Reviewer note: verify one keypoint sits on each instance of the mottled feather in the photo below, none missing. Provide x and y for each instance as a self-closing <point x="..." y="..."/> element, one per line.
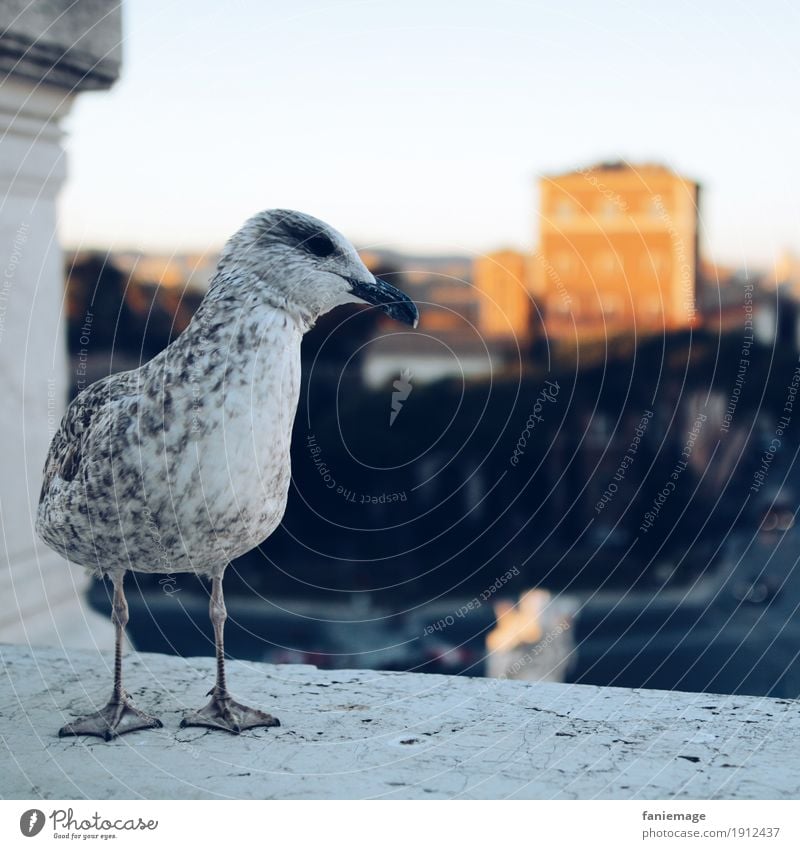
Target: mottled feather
<point x="183" y="463"/>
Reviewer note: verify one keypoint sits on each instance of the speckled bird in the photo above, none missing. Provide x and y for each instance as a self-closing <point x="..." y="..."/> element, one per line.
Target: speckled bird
<point x="183" y="464"/>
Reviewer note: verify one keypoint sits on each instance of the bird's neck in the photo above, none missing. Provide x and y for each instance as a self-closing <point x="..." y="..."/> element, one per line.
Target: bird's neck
<point x="230" y="293"/>
<point x="221" y="310"/>
<point x="227" y="333"/>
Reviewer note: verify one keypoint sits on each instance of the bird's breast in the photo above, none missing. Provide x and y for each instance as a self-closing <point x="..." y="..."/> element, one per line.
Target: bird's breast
<point x="257" y="416"/>
<point x="241" y="444"/>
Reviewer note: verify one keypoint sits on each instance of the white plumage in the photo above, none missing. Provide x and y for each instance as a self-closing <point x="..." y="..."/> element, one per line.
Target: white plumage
<point x="183" y="464"/>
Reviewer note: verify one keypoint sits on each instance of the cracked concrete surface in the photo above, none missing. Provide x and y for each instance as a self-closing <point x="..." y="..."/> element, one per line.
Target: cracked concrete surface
<point x="360" y="734"/>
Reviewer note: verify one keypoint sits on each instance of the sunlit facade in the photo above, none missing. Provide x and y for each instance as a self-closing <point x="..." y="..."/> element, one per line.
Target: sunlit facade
<point x="617" y="251"/>
<point x="502" y="282"/>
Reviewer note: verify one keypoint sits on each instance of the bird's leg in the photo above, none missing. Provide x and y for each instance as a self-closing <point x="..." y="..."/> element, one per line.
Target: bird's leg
<point x="119" y="716"/>
<point x="222" y="711"/>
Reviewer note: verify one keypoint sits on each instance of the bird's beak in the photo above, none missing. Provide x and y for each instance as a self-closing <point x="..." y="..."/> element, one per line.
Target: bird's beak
<point x="392" y="301"/>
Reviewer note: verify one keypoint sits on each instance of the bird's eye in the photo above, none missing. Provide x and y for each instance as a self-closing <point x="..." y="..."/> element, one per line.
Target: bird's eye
<point x="319" y="245"/>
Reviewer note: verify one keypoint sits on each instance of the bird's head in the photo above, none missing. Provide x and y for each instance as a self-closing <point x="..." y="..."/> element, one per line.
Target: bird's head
<point x="300" y="264"/>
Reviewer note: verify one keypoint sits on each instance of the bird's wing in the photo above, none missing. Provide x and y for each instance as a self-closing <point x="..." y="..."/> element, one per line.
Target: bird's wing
<point x="66" y="450"/>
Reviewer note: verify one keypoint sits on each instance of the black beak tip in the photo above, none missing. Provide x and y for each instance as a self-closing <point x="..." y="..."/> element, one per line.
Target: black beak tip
<point x="392" y="301"/>
<point x="402" y="309"/>
<point x="413" y="314"/>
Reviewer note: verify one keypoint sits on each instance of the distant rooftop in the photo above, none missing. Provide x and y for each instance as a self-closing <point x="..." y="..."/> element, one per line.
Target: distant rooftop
<point x="616" y="165"/>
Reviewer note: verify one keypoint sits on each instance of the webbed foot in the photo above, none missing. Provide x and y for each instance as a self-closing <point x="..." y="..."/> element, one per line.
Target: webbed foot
<point x="119" y="716"/>
<point x="226" y="714"/>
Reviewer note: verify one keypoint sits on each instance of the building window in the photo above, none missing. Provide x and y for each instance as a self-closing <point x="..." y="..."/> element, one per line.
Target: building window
<point x="564" y="263"/>
<point x="608" y="210"/>
<point x="565" y="210"/>
<point x="656" y="210"/>
<point x="607" y="263"/>
<point x="561" y="306"/>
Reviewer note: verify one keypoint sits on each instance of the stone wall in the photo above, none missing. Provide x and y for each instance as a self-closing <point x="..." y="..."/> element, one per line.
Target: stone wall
<point x="389" y="735"/>
<point x="48" y="51"/>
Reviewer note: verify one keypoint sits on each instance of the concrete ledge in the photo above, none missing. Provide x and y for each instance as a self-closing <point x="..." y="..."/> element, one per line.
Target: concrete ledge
<point x="356" y="734"/>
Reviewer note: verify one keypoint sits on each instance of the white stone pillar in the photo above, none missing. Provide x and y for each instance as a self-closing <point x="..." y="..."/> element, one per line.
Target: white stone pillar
<point x="49" y="51"/>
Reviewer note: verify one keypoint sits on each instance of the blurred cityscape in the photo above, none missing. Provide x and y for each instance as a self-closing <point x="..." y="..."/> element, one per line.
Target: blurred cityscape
<point x="580" y="465"/>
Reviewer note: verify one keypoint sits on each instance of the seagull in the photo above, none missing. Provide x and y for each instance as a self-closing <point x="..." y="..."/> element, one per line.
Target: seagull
<point x="183" y="464"/>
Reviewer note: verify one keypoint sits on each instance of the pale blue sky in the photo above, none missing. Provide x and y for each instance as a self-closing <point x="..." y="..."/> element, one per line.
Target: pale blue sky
<point x="423" y="125"/>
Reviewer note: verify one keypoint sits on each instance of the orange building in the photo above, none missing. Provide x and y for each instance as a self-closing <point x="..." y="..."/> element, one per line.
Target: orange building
<point x="501" y="280"/>
<point x="617" y="251"/>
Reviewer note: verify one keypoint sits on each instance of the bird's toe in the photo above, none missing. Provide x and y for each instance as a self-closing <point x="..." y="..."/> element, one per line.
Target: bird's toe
<point x="225" y="714"/>
<point x="119" y="716"/>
